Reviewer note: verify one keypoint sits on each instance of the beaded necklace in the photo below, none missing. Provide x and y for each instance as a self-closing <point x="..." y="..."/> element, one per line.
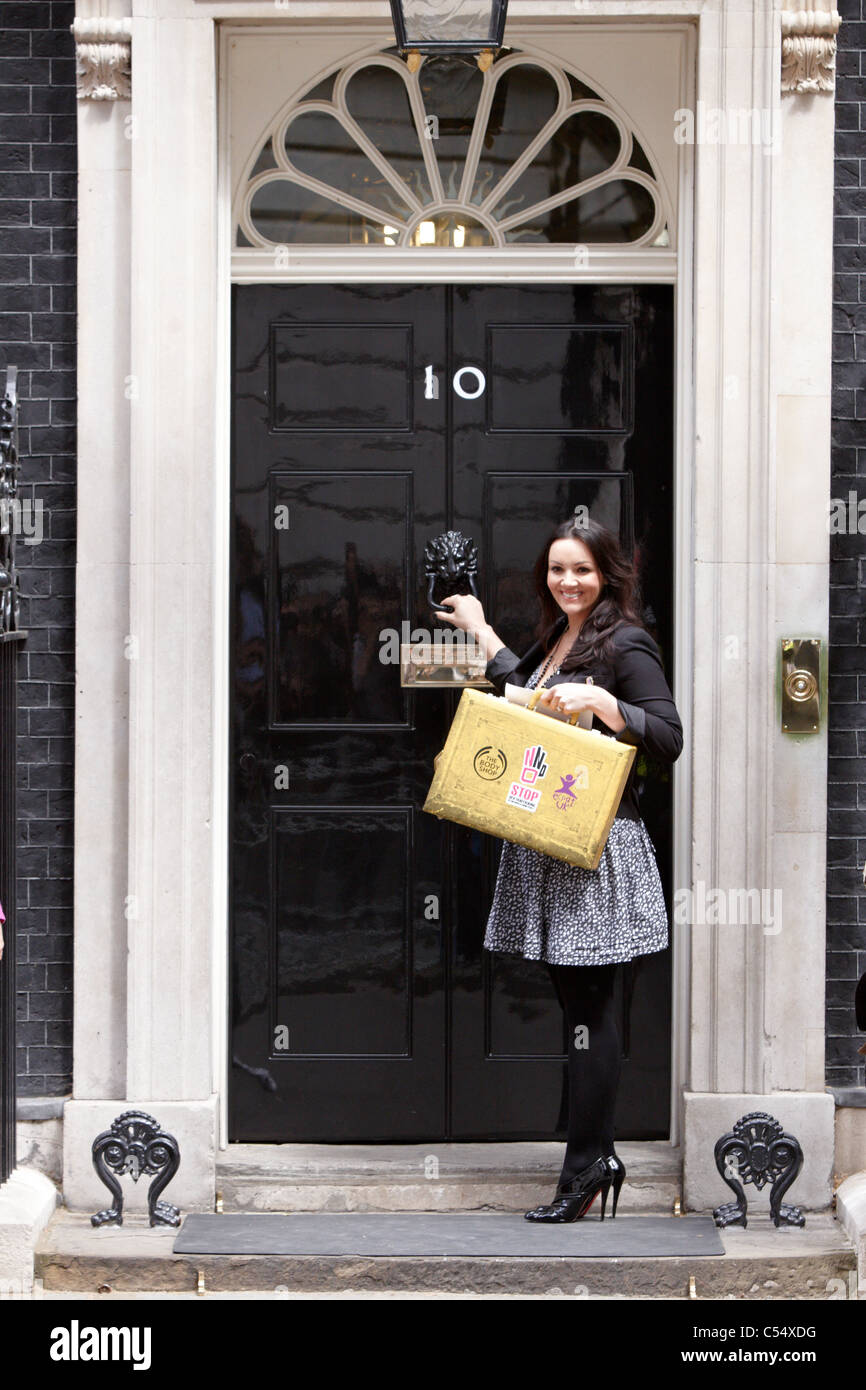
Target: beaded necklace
<point x="544" y="669"/>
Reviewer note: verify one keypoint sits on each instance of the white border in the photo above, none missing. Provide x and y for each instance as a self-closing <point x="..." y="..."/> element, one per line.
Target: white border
<point x="221" y="598"/>
<point x="476" y="265"/>
<point x="684" y="590"/>
<point x="501" y="265"/>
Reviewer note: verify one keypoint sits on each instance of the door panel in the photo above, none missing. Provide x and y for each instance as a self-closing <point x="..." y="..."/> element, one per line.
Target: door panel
<point x="339" y="482"/>
<point x="329" y="937"/>
<point x="578" y="412"/>
<point x="340" y="574"/>
<point x="558" y="378"/>
<point x="363" y="1006"/>
<point x="341" y="377"/>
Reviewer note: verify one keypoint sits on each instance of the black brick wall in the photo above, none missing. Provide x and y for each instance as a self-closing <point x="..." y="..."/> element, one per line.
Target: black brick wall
<point x="37" y="332"/>
<point x="846" y="830"/>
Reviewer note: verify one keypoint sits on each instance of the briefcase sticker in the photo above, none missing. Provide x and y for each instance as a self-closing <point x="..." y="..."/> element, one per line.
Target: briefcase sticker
<point x="534" y="764"/>
<point x="565" y="797"/>
<point x="525" y="793"/>
<point x="527" y="798"/>
<point x="490" y="763"/>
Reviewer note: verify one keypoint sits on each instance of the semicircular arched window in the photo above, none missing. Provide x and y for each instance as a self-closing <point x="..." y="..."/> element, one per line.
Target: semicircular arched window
<point x="376" y="155"/>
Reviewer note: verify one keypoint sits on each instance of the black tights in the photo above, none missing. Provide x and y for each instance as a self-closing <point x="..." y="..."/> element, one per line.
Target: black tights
<point x="586" y="993"/>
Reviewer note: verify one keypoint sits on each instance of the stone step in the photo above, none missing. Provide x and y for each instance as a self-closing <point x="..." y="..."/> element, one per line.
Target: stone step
<point x="815" y="1262"/>
<point x="427" y="1177"/>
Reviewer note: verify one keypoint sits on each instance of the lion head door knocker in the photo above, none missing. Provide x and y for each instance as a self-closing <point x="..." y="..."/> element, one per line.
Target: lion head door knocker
<point x="453" y="657"/>
<point x="757" y="1150"/>
<point x="136" y="1144"/>
<point x="451" y="563"/>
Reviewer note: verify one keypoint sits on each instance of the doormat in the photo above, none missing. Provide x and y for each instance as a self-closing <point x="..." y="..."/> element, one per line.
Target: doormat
<point x="452" y="1233"/>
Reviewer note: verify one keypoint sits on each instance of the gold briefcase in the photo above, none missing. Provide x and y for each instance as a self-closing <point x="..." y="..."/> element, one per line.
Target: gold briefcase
<point x="524" y="776"/>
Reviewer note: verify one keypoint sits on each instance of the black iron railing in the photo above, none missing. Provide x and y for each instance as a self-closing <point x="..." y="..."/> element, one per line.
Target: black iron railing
<point x="10" y="637"/>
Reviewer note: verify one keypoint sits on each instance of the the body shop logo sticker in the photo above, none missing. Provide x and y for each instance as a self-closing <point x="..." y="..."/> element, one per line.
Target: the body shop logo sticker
<point x="565" y="796"/>
<point x="489" y="763"/>
<point x="525" y="797"/>
<point x="534" y="765"/>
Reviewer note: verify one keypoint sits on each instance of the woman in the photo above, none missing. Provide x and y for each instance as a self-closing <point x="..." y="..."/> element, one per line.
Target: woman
<point x="583" y="922"/>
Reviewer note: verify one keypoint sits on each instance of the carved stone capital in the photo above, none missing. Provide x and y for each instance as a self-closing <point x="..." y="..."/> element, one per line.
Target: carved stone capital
<point x="809" y="49"/>
<point x="103" y="51"/>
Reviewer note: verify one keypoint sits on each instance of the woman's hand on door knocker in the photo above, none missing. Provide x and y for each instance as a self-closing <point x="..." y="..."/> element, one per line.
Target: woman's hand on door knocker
<point x="467" y="612"/>
<point x="572" y="697"/>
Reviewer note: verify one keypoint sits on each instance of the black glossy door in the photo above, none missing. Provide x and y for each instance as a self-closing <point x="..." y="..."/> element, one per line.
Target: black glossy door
<point x="363" y="1005"/>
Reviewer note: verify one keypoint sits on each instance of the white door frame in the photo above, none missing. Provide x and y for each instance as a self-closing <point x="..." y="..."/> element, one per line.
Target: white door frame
<point x="753" y="484"/>
<point x="516" y="264"/>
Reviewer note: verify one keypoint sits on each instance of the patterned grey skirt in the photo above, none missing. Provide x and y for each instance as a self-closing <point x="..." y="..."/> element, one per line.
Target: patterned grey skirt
<point x="545" y="909"/>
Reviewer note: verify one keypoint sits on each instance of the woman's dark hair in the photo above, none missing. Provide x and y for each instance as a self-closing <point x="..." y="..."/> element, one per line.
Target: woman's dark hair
<point x="617" y="603"/>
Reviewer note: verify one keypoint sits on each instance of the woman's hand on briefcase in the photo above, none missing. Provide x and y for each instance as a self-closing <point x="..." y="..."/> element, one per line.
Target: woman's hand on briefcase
<point x="572" y="697"/>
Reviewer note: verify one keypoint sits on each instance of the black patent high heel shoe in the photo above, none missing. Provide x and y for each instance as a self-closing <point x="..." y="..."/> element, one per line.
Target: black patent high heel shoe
<point x="616" y="1168"/>
<point x="574" y="1200"/>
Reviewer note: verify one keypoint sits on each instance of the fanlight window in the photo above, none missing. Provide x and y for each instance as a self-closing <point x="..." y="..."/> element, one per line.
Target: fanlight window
<point x="377" y="155"/>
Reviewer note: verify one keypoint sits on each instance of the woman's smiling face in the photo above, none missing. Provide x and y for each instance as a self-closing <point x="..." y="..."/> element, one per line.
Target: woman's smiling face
<point x="573" y="577"/>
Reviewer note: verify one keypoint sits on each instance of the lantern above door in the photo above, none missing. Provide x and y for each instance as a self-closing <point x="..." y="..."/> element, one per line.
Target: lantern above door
<point x="449" y="26"/>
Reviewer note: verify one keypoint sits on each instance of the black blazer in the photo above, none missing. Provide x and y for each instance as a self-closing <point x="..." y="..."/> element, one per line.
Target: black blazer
<point x="634" y="675"/>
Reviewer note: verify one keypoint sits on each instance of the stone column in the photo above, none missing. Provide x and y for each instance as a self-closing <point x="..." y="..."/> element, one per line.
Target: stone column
<point x="764" y="296"/>
<point x="143" y="822"/>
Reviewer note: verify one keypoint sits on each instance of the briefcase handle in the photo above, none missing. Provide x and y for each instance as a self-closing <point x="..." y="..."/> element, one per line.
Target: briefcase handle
<point x="583" y="720"/>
